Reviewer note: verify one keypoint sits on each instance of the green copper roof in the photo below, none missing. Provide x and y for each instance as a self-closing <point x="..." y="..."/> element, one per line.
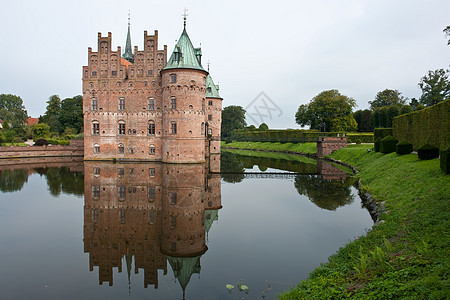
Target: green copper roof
<point x="183" y="268"/>
<point x="212" y="90"/>
<point x="211" y="215"/>
<point x="128" y="55"/>
<point x="184" y="55"/>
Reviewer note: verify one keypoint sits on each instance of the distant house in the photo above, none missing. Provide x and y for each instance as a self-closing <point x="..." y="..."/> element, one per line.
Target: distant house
<point x="32" y="121"/>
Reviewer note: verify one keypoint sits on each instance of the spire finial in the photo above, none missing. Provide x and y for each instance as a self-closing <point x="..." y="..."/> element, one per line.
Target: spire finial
<point x="185" y="14"/>
<point x="128" y="17"/>
<point x="208" y="64"/>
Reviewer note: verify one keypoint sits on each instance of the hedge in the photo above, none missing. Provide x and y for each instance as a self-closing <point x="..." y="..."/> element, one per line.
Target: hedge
<point x="387" y="144"/>
<point x="428" y="152"/>
<point x="445" y="160"/>
<point x="403" y="148"/>
<point x="293" y="136"/>
<point x="381" y="133"/>
<point x="377" y="144"/>
<point x="427" y="126"/>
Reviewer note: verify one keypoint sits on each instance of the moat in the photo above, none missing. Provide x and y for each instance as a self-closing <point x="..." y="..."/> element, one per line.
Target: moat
<point x="95" y="230"/>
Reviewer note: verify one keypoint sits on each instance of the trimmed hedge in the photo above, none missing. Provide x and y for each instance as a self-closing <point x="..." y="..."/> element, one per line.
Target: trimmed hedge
<point x="428" y="151"/>
<point x="381" y="133"/>
<point x="387" y="144"/>
<point x="377" y="144"/>
<point x="293" y="136"/>
<point x="427" y="126"/>
<point x="445" y="160"/>
<point x="403" y="148"/>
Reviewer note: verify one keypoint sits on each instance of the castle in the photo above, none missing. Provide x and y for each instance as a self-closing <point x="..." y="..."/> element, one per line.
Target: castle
<point x="141" y="106"/>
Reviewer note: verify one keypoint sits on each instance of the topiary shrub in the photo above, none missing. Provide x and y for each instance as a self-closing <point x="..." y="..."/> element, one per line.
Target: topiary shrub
<point x="377" y="145"/>
<point x="387" y="144"/>
<point x="428" y="151"/>
<point x="357" y="141"/>
<point x="403" y="148"/>
<point x="41" y="142"/>
<point x="445" y="160"/>
<point x="381" y="132"/>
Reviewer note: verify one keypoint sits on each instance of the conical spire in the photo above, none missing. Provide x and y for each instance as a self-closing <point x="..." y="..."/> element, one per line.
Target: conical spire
<point x="212" y="90"/>
<point x="128" y="55"/>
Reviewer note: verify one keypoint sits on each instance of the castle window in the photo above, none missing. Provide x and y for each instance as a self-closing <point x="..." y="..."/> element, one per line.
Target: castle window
<point x="96" y="171"/>
<point x="173" y="198"/>
<point x="131" y="150"/>
<point x="122" y="218"/>
<point x="173" y="78"/>
<point x="94" y="104"/>
<point x="134" y="131"/>
<point x="86" y="73"/>
<point x="209" y="131"/>
<point x="151" y="172"/>
<point x="120" y="172"/>
<point x="94" y="215"/>
<point x="173" y="128"/>
<point x="203" y="104"/>
<point x="129" y="131"/>
<point x="173" y="103"/>
<point x="203" y="128"/>
<point x="94" y="73"/>
<point x="95" y="191"/>
<point x="151" y="217"/>
<point x="150" y="72"/>
<point x="119" y="83"/>
<point x="151" y="127"/>
<point x="152" y="150"/>
<point x="121" y="192"/>
<point x="121" y="127"/>
<point x="173" y="222"/>
<point x="96" y="148"/>
<point x="120" y="149"/>
<point x="151" y="104"/>
<point x="209" y="117"/>
<point x="95" y="128"/>
<point x="145" y="83"/>
<point x="208" y="89"/>
<point x="151" y="193"/>
<point x="121" y="103"/>
<point x="113" y="73"/>
<point x="210" y="103"/>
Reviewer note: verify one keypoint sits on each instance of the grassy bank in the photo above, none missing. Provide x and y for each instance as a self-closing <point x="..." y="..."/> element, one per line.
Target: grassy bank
<point x="292" y="147"/>
<point x="407" y="254"/>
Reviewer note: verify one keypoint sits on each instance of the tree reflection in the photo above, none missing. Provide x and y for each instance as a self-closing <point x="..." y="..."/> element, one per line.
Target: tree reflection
<point x="326" y="194"/>
<point x="231" y="163"/>
<point x="64" y="180"/>
<point x="13" y="180"/>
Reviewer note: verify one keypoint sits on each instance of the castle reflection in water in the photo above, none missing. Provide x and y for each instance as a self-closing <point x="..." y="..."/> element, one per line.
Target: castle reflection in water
<point x="154" y="212"/>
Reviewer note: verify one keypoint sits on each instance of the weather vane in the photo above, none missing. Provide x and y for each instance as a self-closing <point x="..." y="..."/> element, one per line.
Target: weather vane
<point x="208" y="64"/>
<point x="128" y="17"/>
<point x="185" y="14"/>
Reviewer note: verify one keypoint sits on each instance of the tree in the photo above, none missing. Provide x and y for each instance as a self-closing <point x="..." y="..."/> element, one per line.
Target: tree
<point x="362" y="117"/>
<point x="387" y="98"/>
<point x="71" y="113"/>
<point x="51" y="115"/>
<point x="12" y="110"/>
<point x="41" y="130"/>
<point x="330" y="107"/>
<point x="263" y="127"/>
<point x="447" y="33"/>
<point x="435" y="87"/>
<point x="233" y="117"/>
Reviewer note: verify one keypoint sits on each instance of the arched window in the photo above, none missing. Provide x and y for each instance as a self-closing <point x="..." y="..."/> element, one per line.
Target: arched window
<point x="151" y="127"/>
<point x="96" y="148"/>
<point x="95" y="127"/>
<point x="121" y="127"/>
<point x="152" y="150"/>
<point x="94" y="104"/>
<point x="173" y="103"/>
<point x="121" y="103"/>
<point x="121" y="149"/>
<point x="209" y="131"/>
<point x="173" y="128"/>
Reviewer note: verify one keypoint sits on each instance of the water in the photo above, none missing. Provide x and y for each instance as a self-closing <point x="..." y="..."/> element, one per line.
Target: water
<point x="74" y="230"/>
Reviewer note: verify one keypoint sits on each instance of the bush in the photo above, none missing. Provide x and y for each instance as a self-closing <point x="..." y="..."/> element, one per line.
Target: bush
<point x="263" y="127"/>
<point x="445" y="160"/>
<point x="377" y="144"/>
<point x="403" y="148"/>
<point x="387" y="144"/>
<point x="428" y="151"/>
<point x="41" y="142"/>
<point x="357" y="141"/>
<point x="381" y="132"/>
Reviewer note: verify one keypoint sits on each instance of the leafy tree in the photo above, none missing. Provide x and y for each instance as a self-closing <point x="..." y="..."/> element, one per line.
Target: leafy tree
<point x="233" y="117"/>
<point x="330" y="107"/>
<point x="2" y="138"/>
<point x="12" y="110"/>
<point x="362" y="117"/>
<point x="405" y="109"/>
<point x="71" y="113"/>
<point x="13" y="180"/>
<point x="263" y="127"/>
<point x="387" y="98"/>
<point x="41" y="130"/>
<point x="435" y="87"/>
<point x="447" y="33"/>
<point x="51" y="115"/>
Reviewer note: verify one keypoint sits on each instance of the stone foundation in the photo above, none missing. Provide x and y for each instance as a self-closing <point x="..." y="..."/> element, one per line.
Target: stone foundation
<point x="326" y="145"/>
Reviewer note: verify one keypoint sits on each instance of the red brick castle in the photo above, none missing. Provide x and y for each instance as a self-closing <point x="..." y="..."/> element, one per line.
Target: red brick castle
<point x="141" y="106"/>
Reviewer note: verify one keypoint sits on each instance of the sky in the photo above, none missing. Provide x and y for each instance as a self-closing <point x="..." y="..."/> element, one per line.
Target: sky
<point x="267" y="56"/>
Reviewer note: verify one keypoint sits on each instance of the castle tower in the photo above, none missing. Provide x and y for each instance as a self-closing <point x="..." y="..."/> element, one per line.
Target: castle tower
<point x="183" y="100"/>
<point x="213" y="115"/>
<point x="128" y="55"/>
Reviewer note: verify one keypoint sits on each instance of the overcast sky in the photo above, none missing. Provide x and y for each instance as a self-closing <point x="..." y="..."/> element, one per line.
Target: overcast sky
<point x="289" y="50"/>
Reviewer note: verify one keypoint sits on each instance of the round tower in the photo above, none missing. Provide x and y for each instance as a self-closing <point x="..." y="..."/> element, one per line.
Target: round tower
<point x="213" y="116"/>
<point x="183" y="104"/>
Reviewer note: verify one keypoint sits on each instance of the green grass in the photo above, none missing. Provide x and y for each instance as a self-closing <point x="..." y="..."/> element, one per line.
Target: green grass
<point x="274" y="155"/>
<point x="299" y="148"/>
<point x="407" y="254"/>
<point x="13" y="144"/>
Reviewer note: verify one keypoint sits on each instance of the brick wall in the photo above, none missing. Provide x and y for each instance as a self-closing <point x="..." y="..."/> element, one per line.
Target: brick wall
<point x="40" y="151"/>
<point x="326" y="145"/>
